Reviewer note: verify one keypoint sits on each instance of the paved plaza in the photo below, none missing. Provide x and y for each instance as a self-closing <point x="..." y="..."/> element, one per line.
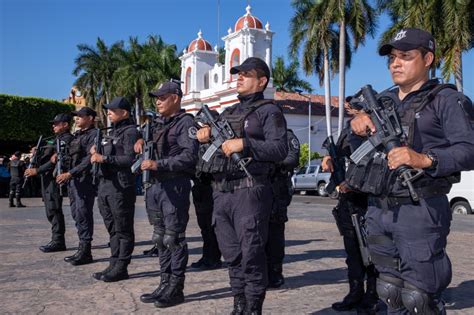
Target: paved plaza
<point x="32" y="282"/>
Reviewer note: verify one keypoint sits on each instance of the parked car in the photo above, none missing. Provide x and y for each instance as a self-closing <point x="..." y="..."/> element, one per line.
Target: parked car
<point x="461" y="196"/>
<point x="311" y="178"/>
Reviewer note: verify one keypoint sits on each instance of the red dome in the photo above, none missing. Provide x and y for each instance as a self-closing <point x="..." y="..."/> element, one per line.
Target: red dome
<point x="252" y="21"/>
<point x="199" y="44"/>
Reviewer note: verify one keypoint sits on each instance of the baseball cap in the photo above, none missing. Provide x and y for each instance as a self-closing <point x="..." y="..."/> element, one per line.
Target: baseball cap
<point x="250" y="64"/>
<point x="85" y="111"/>
<point x="408" y="39"/>
<point x="169" y="87"/>
<point x="61" y="118"/>
<point x="119" y="102"/>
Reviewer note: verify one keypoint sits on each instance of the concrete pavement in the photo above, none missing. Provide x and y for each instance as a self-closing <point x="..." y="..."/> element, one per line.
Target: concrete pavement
<point x="32" y="282"/>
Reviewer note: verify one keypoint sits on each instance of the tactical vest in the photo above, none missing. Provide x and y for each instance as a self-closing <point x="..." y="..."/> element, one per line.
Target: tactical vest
<point x="219" y="163"/>
<point x="161" y="132"/>
<point x="16" y="168"/>
<point x="113" y="145"/>
<point x="76" y="151"/>
<point x="372" y="174"/>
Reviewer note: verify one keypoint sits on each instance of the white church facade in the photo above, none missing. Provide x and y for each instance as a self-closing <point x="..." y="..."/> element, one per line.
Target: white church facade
<point x="206" y="81"/>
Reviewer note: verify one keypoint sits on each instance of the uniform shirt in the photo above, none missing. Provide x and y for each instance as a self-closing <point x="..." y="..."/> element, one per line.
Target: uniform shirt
<point x="179" y="150"/>
<point x="47" y="167"/>
<point x="442" y="127"/>
<point x="123" y="138"/>
<point x="86" y="141"/>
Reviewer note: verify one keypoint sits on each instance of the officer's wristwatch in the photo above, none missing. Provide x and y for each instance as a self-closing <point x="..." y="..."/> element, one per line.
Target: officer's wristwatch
<point x="434" y="160"/>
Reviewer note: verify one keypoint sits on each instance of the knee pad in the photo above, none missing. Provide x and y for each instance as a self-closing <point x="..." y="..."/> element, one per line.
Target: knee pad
<point x="417" y="301"/>
<point x="157" y="238"/>
<point x="389" y="290"/>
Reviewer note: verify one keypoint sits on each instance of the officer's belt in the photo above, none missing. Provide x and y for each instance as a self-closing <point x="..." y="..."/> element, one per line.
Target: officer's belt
<point x="225" y="185"/>
<point x="390" y="202"/>
<point x="382" y="260"/>
<point x="165" y="176"/>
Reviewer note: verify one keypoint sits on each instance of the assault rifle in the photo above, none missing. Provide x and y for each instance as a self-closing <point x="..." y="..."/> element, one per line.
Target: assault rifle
<point x="148" y="149"/>
<point x="338" y="163"/>
<point x="34" y="158"/>
<point x="388" y="135"/>
<point x="59" y="162"/>
<point x="98" y="149"/>
<point x="220" y="132"/>
<point x="361" y="238"/>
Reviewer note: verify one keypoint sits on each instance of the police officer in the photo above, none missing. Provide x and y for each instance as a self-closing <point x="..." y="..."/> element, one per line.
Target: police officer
<point x="352" y="202"/>
<point x="242" y="203"/>
<point x="407" y="239"/>
<point x="282" y="190"/>
<point x="52" y="198"/>
<point x="116" y="190"/>
<point x="16" y="167"/>
<point x="204" y="206"/>
<point x="80" y="188"/>
<point x="167" y="200"/>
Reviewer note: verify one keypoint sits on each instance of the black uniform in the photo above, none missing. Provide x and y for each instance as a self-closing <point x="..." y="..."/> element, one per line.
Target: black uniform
<point x="282" y="190"/>
<point x="204" y="206"/>
<point x="167" y="203"/>
<point x="116" y="197"/>
<point x="242" y="207"/>
<point x="407" y="240"/>
<point x="17" y="169"/>
<point x="82" y="193"/>
<point x="51" y="196"/>
<point x="350" y="203"/>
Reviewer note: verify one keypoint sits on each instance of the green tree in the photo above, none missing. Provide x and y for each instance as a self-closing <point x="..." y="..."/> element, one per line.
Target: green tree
<point x="304" y="148"/>
<point x="313" y="28"/>
<point x="286" y="79"/>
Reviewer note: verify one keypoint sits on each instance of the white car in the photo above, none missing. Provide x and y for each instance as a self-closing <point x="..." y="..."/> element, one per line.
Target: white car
<point x="461" y="196"/>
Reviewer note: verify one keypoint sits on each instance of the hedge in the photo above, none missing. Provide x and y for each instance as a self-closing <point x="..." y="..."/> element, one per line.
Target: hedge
<point x="24" y="119"/>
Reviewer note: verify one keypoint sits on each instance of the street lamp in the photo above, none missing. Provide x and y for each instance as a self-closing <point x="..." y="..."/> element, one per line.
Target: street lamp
<point x="309" y="123"/>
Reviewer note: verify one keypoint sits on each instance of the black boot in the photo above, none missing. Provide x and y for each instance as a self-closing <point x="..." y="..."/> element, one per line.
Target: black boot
<point x="173" y="294"/>
<point x="275" y="276"/>
<point x="369" y="303"/>
<point x="239" y="304"/>
<point x="98" y="275"/>
<point x="353" y="298"/>
<point x="118" y="272"/>
<point x="85" y="255"/>
<point x="155" y="295"/>
<point x="18" y="202"/>
<point x="53" y="246"/>
<point x="152" y="252"/>
<point x="254" y="307"/>
<point x="11" y="197"/>
<point x="73" y="256"/>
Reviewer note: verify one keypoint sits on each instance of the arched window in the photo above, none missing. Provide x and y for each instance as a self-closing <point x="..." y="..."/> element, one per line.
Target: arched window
<point x="235" y="60"/>
<point x="206" y="81"/>
<point x="187" y="81"/>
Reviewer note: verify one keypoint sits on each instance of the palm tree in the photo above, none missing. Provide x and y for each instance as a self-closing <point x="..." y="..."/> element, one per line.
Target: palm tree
<point x="356" y="19"/>
<point x="286" y="78"/>
<point x="313" y="28"/>
<point x="95" y="67"/>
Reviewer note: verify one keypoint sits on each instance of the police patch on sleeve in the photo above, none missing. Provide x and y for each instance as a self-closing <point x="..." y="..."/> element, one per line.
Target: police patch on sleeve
<point x="295" y="144"/>
<point x="192" y="131"/>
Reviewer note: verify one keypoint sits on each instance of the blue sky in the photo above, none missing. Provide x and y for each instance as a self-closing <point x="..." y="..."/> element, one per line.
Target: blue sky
<point x="38" y="38"/>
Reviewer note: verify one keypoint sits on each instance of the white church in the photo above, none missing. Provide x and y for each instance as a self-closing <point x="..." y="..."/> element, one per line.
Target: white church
<point x="206" y="81"/>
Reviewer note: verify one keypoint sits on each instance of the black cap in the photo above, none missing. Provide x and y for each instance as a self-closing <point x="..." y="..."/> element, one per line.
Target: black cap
<point x="85" y="111"/>
<point x="119" y="102"/>
<point x="250" y="64"/>
<point x="169" y="87"/>
<point x="17" y="154"/>
<point x="61" y="118"/>
<point x="408" y="39"/>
